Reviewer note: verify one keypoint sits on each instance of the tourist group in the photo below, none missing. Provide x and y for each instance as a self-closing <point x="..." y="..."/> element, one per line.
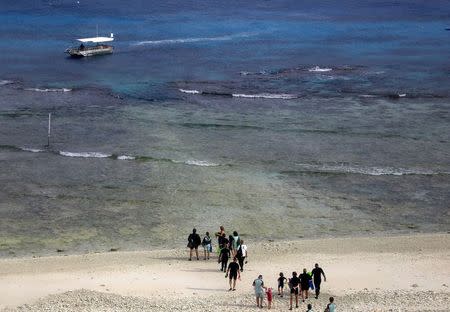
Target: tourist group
<point x="233" y="247"/>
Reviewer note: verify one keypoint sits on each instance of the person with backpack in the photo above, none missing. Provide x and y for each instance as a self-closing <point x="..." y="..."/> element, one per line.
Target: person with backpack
<point x="242" y="254"/>
<point x="305" y="278"/>
<point x="207" y="247"/>
<point x="235" y="242"/>
<point x="194" y="241"/>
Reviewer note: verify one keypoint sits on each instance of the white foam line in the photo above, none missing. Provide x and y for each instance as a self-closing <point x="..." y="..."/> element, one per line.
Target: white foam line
<point x="317" y="69"/>
<point x="84" y="154"/>
<point x="189" y="91"/>
<point x="126" y="157"/>
<point x="48" y="90"/>
<point x="191" y="40"/>
<point x="33" y="150"/>
<point x="5" y="82"/>
<point x="282" y="96"/>
<point x="201" y="163"/>
<point x="374" y="171"/>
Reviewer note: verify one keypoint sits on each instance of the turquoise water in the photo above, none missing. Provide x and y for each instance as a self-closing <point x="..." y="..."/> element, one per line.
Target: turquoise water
<point x="265" y="117"/>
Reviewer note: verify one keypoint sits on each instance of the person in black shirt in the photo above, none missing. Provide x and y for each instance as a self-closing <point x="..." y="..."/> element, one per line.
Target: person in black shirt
<point x="304" y="283"/>
<point x="233" y="273"/>
<point x="194" y="241"/>
<point x="294" y="284"/>
<point x="317" y="273"/>
<point x="223" y="241"/>
<point x="281" y="281"/>
<point x="223" y="258"/>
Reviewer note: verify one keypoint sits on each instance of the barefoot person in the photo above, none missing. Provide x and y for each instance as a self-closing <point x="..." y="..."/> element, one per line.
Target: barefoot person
<point x="269" y="294"/>
<point x="294" y="285"/>
<point x="219" y="236"/>
<point x="233" y="273"/>
<point x="224" y="255"/>
<point x="236" y="241"/>
<point x="304" y="284"/>
<point x="281" y="281"/>
<point x="259" y="291"/>
<point x="206" y="243"/>
<point x="317" y="273"/>
<point x="241" y="254"/>
<point x="194" y="241"/>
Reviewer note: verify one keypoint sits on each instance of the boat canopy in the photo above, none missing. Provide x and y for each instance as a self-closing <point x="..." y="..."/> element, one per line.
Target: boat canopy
<point x="97" y="39"/>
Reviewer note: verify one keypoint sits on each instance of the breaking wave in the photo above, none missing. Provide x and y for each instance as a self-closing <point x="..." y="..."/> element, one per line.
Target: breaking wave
<point x="195" y="39"/>
<point x="189" y="91"/>
<point x="85" y="154"/>
<point x="201" y="163"/>
<point x="373" y="171"/>
<point x="126" y="157"/>
<point x="283" y="96"/>
<point x="33" y="150"/>
<point x="190" y="162"/>
<point x="5" y="82"/>
<point x="317" y="69"/>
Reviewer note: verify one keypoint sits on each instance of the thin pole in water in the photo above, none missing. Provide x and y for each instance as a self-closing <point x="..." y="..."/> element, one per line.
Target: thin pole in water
<point x="49" y="129"/>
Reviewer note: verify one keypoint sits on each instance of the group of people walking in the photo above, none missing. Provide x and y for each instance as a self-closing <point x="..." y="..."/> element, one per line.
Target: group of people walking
<point x="233" y="247"/>
<point x="299" y="285"/>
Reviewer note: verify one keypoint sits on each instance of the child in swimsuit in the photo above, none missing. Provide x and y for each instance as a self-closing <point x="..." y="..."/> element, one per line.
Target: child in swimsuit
<point x="269" y="297"/>
<point x="281" y="281"/>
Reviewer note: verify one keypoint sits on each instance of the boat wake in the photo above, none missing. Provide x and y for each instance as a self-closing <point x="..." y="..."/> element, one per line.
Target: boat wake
<point x="195" y="39"/>
<point x="48" y="89"/>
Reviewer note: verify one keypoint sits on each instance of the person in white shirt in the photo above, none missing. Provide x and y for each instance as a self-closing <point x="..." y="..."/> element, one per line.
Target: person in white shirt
<point x="242" y="254"/>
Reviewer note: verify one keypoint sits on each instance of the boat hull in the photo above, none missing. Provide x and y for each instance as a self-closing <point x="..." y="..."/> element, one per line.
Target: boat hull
<point x="94" y="51"/>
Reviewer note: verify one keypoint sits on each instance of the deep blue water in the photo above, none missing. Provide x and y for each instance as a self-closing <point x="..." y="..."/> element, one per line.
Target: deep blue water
<point x="407" y="40"/>
<point x="330" y="117"/>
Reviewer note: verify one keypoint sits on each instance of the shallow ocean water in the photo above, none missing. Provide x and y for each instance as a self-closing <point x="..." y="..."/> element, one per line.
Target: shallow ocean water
<point x="280" y="120"/>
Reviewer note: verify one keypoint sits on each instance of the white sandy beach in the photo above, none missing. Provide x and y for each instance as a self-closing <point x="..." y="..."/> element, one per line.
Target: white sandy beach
<point x="402" y="273"/>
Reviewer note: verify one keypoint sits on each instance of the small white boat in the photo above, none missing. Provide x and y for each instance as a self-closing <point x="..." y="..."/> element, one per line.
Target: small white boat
<point x="92" y="46"/>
